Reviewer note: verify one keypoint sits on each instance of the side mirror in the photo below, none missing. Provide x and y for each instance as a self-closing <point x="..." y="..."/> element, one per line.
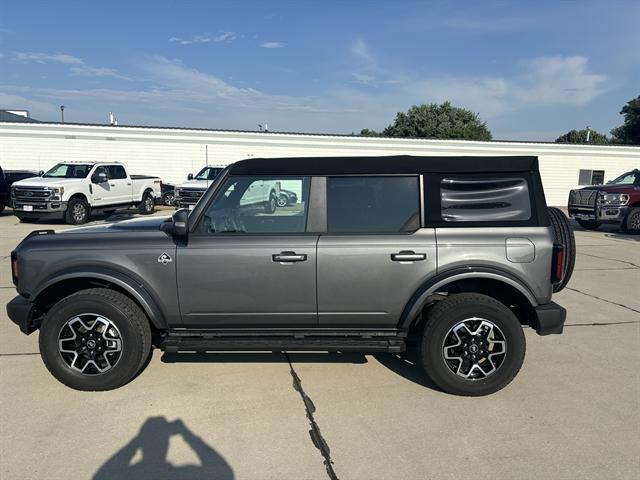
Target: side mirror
<point x="40" y="173"/>
<point x="190" y="176"/>
<point x="99" y="177"/>
<point x="181" y="222"/>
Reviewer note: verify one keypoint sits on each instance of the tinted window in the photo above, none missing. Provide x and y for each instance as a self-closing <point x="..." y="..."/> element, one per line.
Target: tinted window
<point x="65" y="170"/>
<point x="116" y="172"/>
<point x="258" y="205"/>
<point x="208" y="173"/>
<point x="474" y="199"/>
<point x="372" y="204"/>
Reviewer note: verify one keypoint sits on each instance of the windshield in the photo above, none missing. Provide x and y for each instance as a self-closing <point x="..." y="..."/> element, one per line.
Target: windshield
<point x="66" y="170"/>
<point x="208" y="173"/>
<point x="629" y="178"/>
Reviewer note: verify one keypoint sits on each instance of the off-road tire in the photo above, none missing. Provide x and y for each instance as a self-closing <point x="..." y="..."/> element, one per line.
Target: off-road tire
<point x="72" y="217"/>
<point x="563" y="234"/>
<point x="589" y="224"/>
<point x="271" y="204"/>
<point x="631" y="222"/>
<point x="125" y="314"/>
<point x="447" y="313"/>
<point x="27" y="219"/>
<point x="147" y="204"/>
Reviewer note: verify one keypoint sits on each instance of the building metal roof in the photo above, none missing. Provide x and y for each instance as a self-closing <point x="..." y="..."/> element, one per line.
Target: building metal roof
<point x="6" y="116"/>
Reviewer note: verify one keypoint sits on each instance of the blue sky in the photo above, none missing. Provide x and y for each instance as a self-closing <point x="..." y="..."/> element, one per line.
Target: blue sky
<point x="532" y="70"/>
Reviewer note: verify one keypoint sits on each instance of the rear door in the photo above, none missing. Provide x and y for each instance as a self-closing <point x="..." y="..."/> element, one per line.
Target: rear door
<point x="375" y="254"/>
<point x="120" y="185"/>
<point x="246" y="267"/>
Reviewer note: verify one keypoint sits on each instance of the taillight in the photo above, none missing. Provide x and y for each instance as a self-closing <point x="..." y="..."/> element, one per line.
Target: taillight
<point x="14" y="268"/>
<point x="557" y="264"/>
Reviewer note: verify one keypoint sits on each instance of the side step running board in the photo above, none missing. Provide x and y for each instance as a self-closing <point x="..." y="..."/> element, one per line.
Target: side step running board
<point x="179" y="343"/>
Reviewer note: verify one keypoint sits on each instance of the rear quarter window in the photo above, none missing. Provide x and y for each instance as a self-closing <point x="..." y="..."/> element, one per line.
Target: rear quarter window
<point x="480" y="200"/>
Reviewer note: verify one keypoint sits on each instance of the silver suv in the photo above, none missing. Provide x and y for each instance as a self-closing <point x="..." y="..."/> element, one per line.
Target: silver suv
<point x="452" y="254"/>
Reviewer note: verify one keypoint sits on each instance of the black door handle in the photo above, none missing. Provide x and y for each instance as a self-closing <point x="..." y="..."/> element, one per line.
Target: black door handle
<point x="289" y="257"/>
<point x="408" y="256"/>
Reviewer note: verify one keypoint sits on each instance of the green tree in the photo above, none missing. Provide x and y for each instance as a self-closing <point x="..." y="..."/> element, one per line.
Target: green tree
<point x="365" y="132"/>
<point x="629" y="131"/>
<point x="580" y="136"/>
<point x="438" y="121"/>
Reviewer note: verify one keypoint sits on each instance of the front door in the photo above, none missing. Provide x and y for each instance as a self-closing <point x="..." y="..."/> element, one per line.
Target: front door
<point x="246" y="267"/>
<point x="374" y="255"/>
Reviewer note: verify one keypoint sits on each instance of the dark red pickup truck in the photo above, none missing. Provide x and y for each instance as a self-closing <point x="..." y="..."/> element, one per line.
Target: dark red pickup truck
<point x="616" y="202"/>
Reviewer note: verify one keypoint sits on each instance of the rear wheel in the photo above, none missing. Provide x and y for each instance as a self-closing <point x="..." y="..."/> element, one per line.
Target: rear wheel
<point x="95" y="339"/>
<point x="27" y="219"/>
<point x="78" y="211"/>
<point x="631" y="223"/>
<point x="589" y="224"/>
<point x="168" y="199"/>
<point x="472" y="345"/>
<point x="270" y="205"/>
<point x="563" y="235"/>
<point x="147" y="204"/>
<point x="283" y="201"/>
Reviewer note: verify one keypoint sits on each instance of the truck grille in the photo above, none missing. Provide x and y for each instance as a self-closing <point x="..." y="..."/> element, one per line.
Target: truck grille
<point x="583" y="198"/>
<point x="31" y="195"/>
<point x="189" y="196"/>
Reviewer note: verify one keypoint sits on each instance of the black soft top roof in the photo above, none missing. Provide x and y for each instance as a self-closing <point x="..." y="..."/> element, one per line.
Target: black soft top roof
<point x="398" y="164"/>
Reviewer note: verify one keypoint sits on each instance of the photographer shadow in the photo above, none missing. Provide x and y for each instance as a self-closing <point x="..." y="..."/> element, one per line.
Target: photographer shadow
<point x="152" y="442"/>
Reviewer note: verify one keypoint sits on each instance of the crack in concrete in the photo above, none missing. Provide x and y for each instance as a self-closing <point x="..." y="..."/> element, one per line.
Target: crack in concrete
<point x="18" y="354"/>
<point x="603" y="299"/>
<point x="610" y="259"/>
<point x="316" y="436"/>
<point x="601" y="324"/>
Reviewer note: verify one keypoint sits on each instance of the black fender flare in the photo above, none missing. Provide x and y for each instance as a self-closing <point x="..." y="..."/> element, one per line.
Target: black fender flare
<point x="134" y="287"/>
<point x="431" y="286"/>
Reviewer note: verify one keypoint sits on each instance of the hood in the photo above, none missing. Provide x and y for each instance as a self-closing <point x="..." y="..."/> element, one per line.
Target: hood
<point x="610" y="188"/>
<point x="134" y="225"/>
<point x="196" y="184"/>
<point x="45" y="182"/>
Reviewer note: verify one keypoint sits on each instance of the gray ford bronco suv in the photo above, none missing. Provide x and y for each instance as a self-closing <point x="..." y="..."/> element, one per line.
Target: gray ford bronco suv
<point x="454" y="255"/>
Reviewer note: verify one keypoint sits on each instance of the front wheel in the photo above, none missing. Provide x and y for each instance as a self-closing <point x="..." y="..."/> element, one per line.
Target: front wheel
<point x="271" y="204"/>
<point x="631" y="223"/>
<point x="78" y="211"/>
<point x="472" y="345"/>
<point x="95" y="339"/>
<point x="147" y="204"/>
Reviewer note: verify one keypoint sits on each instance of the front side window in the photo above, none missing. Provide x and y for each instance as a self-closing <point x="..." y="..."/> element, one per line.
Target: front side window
<point x="67" y="170"/>
<point x="373" y="204"/>
<point x="480" y="199"/>
<point x="208" y="173"/>
<point x="258" y="205"/>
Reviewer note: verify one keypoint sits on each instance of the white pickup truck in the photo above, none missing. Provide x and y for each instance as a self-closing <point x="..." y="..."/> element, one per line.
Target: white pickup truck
<point x="73" y="191"/>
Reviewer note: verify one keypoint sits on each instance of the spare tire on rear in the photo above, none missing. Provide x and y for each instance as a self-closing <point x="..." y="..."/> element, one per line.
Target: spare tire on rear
<point x="563" y="235"/>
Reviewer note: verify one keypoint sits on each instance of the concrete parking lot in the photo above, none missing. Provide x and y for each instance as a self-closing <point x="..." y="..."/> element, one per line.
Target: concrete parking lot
<point x="572" y="412"/>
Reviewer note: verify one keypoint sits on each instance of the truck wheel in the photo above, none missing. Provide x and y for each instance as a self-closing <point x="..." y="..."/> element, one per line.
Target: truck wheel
<point x="27" y="219"/>
<point x="589" y="224"/>
<point x="563" y="234"/>
<point x="270" y="206"/>
<point x="631" y="223"/>
<point x="147" y="204"/>
<point x="472" y="345"/>
<point x="95" y="339"/>
<point x="78" y="211"/>
<point x="1" y="207"/>
<point x="168" y="199"/>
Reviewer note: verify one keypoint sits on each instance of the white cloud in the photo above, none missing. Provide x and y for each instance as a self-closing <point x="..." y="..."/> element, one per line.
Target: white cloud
<point x="77" y="66"/>
<point x="363" y="78"/>
<point x="361" y="50"/>
<point x="33" y="57"/>
<point x="273" y="45"/>
<point x="206" y="38"/>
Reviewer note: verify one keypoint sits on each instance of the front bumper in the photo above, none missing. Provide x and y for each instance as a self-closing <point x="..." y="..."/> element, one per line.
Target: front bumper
<point x="20" y="311"/>
<point x="38" y="210"/>
<point x="550" y="319"/>
<point x="601" y="213"/>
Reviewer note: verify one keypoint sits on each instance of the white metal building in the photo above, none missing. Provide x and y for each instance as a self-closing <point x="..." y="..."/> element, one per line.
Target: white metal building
<point x="172" y="153"/>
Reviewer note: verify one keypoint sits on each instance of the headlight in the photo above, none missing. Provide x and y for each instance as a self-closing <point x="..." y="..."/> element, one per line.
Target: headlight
<point x="615" y="199"/>
<point x="59" y="191"/>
